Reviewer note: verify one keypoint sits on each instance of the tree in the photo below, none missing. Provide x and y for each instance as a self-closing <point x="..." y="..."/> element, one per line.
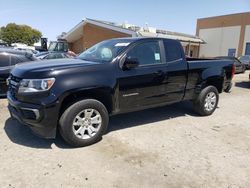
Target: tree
<point x="14" y="33"/>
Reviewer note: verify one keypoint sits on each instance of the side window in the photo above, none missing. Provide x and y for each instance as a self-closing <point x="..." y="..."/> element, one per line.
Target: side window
<point x="146" y="53"/>
<point x="15" y="59"/>
<point x="66" y="47"/>
<point x="60" y="47"/>
<point x="50" y="56"/>
<point x="4" y="60"/>
<point x="172" y="50"/>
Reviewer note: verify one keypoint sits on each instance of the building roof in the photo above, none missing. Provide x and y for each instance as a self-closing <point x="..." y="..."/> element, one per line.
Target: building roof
<point x="226" y="15"/>
<point x="135" y="31"/>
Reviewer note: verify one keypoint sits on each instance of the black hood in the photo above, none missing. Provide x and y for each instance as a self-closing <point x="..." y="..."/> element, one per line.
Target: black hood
<point x="36" y="67"/>
<point x="52" y="64"/>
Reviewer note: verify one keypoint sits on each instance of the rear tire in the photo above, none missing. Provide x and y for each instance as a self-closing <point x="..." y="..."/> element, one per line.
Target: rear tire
<point x="207" y="101"/>
<point x="84" y="123"/>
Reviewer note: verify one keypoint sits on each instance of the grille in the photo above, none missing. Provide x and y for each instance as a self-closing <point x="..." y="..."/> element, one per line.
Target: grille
<point x="13" y="85"/>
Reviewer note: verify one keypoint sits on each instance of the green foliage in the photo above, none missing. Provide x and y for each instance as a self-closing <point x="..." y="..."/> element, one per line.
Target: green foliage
<point x="14" y="33"/>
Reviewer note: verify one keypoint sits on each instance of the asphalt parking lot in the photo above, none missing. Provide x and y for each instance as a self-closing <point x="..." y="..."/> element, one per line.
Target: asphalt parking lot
<point x="163" y="147"/>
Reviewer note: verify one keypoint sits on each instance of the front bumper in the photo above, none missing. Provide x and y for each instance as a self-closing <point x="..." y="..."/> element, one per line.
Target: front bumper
<point x="42" y="119"/>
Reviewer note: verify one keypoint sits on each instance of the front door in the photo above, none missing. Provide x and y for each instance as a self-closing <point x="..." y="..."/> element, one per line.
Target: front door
<point x="144" y="85"/>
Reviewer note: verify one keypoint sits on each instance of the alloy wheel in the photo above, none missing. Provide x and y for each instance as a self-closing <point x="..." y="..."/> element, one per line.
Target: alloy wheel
<point x="87" y="123"/>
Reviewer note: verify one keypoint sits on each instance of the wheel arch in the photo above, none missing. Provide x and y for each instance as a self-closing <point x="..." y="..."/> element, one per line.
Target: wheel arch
<point x="103" y="95"/>
<point x="215" y="76"/>
<point x="216" y="81"/>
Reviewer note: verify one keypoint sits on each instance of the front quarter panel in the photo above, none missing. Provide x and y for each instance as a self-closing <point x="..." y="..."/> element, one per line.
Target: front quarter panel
<point x="91" y="78"/>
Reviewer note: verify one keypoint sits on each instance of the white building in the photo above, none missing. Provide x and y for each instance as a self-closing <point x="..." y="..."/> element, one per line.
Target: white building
<point x="227" y="35"/>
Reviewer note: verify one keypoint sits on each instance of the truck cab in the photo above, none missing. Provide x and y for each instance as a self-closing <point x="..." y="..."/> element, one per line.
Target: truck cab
<point x="58" y="46"/>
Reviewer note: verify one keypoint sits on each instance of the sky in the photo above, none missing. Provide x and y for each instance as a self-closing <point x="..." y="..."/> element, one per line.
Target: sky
<point x="52" y="17"/>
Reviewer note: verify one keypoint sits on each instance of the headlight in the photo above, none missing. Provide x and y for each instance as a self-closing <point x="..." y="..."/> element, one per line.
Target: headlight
<point x="35" y="85"/>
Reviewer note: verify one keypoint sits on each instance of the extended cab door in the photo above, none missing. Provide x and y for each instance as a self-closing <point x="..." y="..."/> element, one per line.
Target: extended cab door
<point x="177" y="70"/>
<point x="144" y="85"/>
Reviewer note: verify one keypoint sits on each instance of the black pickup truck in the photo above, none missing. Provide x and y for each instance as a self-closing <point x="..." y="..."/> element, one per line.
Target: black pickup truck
<point x="77" y="96"/>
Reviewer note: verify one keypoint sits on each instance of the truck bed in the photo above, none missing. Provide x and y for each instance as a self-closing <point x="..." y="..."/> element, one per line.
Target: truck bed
<point x="216" y="70"/>
<point x="196" y="63"/>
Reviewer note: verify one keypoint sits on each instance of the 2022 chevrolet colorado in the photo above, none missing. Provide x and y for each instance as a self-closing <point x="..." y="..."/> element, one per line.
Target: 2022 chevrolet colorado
<point x="115" y="76"/>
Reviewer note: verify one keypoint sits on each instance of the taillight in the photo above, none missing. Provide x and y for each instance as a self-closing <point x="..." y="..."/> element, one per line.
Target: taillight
<point x="233" y="71"/>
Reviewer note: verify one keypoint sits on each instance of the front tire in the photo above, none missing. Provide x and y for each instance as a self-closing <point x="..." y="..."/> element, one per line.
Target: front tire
<point x="84" y="123"/>
<point x="207" y="101"/>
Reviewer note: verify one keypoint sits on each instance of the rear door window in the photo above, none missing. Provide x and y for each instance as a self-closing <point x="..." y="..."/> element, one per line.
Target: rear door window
<point x="18" y="59"/>
<point x="4" y="60"/>
<point x="14" y="60"/>
<point x="50" y="56"/>
<point x="172" y="50"/>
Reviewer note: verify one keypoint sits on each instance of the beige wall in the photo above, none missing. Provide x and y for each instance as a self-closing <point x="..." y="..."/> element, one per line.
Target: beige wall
<point x="77" y="46"/>
<point x="194" y="50"/>
<point x="241" y="20"/>
<point x="219" y="40"/>
<point x="246" y="38"/>
<point x="93" y="34"/>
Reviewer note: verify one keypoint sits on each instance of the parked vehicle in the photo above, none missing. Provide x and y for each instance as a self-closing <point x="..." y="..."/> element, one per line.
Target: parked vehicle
<point x="8" y="59"/>
<point x="54" y="55"/>
<point x="246" y="60"/>
<point x="3" y="45"/>
<point x="239" y="66"/>
<point x="24" y="47"/>
<point x="59" y="46"/>
<point x="112" y="77"/>
<point x="27" y="50"/>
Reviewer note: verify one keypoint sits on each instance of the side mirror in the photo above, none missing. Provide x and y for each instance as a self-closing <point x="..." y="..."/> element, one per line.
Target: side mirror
<point x="130" y="63"/>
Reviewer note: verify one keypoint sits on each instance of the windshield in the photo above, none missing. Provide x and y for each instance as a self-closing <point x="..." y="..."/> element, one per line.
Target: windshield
<point x="105" y="51"/>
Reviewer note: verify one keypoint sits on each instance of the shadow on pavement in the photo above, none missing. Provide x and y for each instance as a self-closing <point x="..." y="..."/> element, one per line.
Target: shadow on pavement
<point x="22" y="135"/>
<point x="244" y="84"/>
<point x="133" y="119"/>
